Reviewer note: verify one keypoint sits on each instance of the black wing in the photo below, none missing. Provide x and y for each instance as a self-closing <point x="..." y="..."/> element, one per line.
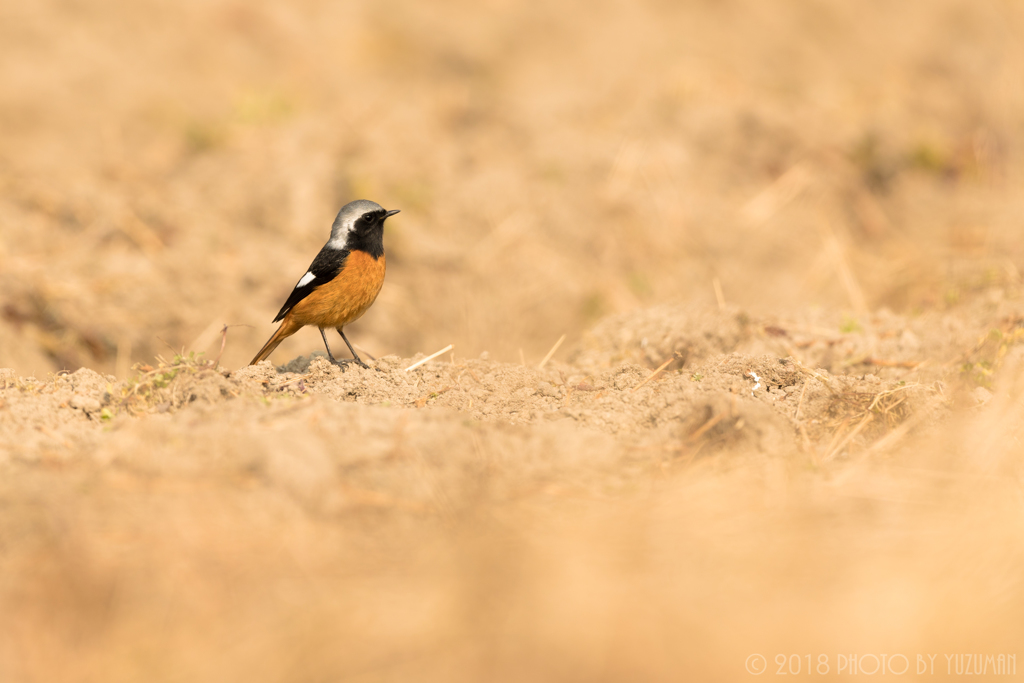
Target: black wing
<point x="325" y="267"/>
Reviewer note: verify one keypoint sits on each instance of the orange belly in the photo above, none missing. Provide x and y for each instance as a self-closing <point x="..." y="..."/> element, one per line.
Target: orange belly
<point x="346" y="297"/>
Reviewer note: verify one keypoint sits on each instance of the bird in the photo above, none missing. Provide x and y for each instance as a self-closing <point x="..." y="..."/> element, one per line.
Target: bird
<point x="342" y="282"/>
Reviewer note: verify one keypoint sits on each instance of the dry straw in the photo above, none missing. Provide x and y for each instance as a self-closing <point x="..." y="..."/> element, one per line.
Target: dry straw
<point x="551" y="352"/>
<point x="430" y="357"/>
<point x="719" y="295"/>
<point x="654" y="374"/>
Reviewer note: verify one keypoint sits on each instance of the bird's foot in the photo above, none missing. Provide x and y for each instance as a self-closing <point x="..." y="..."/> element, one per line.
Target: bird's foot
<point x="344" y="362"/>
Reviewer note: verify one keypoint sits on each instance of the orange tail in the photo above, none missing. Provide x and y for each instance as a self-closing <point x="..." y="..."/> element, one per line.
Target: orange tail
<point x="287" y="329"/>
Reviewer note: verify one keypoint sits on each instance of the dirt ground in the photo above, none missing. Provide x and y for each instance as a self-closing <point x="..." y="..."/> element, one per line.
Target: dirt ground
<point x="777" y="486"/>
<point x="738" y="323"/>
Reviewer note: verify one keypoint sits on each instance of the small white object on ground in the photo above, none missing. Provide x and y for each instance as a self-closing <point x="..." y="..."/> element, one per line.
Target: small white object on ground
<point x="430" y="357"/>
<point x="756" y="379"/>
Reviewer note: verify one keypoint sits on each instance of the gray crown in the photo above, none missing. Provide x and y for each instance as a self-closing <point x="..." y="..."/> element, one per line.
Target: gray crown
<point x="346" y="219"/>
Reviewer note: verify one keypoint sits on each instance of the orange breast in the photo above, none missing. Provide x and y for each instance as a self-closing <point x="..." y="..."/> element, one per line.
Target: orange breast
<point x="346" y="297"/>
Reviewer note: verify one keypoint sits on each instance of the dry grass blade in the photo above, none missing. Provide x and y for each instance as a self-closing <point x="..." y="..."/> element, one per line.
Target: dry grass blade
<point x="719" y="295"/>
<point x="422" y="400"/>
<point x="291" y="381"/>
<point x="654" y="374"/>
<point x="145" y="386"/>
<point x="365" y="352"/>
<point x="551" y="352"/>
<point x="139" y="232"/>
<point x="707" y="426"/>
<point x="781" y="192"/>
<point x="800" y="402"/>
<point x="430" y="357"/>
<point x="893" y="438"/>
<point x="884" y="394"/>
<point x="816" y="375"/>
<point x="223" y="343"/>
<point x="882" y="363"/>
<point x="849" y="437"/>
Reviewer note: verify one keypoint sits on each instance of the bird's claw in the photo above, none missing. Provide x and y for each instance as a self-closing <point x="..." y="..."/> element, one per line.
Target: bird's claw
<point x="344" y="362"/>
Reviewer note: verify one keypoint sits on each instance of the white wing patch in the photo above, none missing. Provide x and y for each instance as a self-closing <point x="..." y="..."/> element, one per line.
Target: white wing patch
<point x="306" y="279"/>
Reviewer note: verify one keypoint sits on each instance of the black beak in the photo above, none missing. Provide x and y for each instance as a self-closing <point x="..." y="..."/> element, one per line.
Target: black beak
<point x="390" y="213"/>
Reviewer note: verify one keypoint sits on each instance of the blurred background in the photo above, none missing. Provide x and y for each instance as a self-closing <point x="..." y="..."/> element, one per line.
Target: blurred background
<point x="168" y="168"/>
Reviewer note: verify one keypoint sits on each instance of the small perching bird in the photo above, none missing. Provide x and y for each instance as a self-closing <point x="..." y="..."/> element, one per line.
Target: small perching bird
<point x="341" y="283"/>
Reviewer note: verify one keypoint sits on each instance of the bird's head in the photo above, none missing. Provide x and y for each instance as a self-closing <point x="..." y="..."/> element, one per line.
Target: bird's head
<point x="360" y="220"/>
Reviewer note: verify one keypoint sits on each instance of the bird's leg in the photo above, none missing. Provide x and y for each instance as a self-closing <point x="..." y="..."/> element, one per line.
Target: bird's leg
<point x="329" y="354"/>
<point x="356" y="359"/>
